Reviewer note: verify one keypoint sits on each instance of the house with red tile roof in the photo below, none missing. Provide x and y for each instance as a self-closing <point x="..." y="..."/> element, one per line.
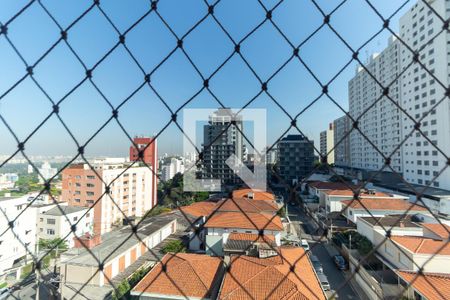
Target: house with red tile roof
<point x="181" y="276"/>
<point x="436" y="230"/>
<point x="333" y="198"/>
<point x="287" y="276"/>
<point x="231" y="215"/>
<point x="426" y="286"/>
<point x="373" y="207"/>
<point x="253" y="194"/>
<point x="414" y="252"/>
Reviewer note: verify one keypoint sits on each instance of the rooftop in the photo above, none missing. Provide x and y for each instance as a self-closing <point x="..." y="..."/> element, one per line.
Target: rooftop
<point x="64" y="210"/>
<point x="246" y="205"/>
<point x="422" y="245"/>
<point x="199" y="209"/>
<point x="441" y="230"/>
<point x="427" y="191"/>
<point x="271" y="278"/>
<point x="244" y="241"/>
<point x="431" y="286"/>
<point x="257" y="194"/>
<point x="244" y="220"/>
<point x="383" y="204"/>
<point x="392" y="221"/>
<point x="184" y="275"/>
<point x="350" y="193"/>
<point x="116" y="242"/>
<point x="325" y="185"/>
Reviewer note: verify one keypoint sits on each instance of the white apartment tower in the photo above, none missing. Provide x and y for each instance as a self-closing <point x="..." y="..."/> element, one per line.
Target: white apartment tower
<point x="422" y="94"/>
<point x="378" y="116"/>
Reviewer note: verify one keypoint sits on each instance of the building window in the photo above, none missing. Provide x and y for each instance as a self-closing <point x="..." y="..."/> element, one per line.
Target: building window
<point x="51" y="221"/>
<point x="50" y="231"/>
<point x="90" y="193"/>
<point x="90" y="177"/>
<point x="41" y="219"/>
<point x="91" y="185"/>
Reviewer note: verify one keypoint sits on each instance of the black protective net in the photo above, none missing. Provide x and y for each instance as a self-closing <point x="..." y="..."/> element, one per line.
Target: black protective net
<point x="210" y="12"/>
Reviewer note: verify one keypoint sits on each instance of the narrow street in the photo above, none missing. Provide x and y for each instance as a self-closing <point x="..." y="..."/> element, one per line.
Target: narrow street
<point x="306" y="230"/>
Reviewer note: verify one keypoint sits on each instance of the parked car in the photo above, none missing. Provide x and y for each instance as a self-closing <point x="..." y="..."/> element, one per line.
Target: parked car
<point x="324" y="282"/>
<point x="340" y="262"/>
<point x="305" y="245"/>
<point x="4" y="293"/>
<point x="316" y="264"/>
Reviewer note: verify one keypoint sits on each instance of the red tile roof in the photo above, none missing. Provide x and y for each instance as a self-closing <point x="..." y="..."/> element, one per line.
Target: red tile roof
<point x="266" y="238"/>
<point x="257" y="194"/>
<point x="422" y="245"/>
<point x="441" y="230"/>
<point x="185" y="275"/>
<point x="383" y="204"/>
<point x="244" y="220"/>
<point x="199" y="209"/>
<point x="272" y="278"/>
<point x="431" y="286"/>
<point x="242" y="204"/>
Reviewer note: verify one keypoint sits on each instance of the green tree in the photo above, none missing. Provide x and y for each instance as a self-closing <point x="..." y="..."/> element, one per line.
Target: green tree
<point x="175" y="246"/>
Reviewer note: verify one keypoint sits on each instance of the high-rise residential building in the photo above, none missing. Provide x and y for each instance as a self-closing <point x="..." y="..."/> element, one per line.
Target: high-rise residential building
<point x="295" y="157"/>
<point x="173" y="166"/>
<point x="327" y="143"/>
<point x="423" y="88"/>
<point x="419" y="91"/>
<point x="149" y="146"/>
<point x="378" y="116"/>
<point x="222" y="139"/>
<point x="323" y="143"/>
<point x="130" y="191"/>
<point x="341" y="134"/>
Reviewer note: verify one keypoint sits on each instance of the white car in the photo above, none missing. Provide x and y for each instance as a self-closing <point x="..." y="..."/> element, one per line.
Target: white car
<point x="305" y="245"/>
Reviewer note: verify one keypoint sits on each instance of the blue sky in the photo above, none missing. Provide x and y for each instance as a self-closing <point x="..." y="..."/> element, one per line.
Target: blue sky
<point x="84" y="111"/>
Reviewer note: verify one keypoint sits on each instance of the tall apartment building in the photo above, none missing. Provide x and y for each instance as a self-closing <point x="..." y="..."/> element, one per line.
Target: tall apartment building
<point x="132" y="191"/>
<point x="418" y="91"/>
<point x="327" y="143"/>
<point x="341" y="137"/>
<point x="421" y="92"/>
<point x="378" y="117"/>
<point x="150" y="157"/>
<point x="172" y="167"/>
<point x="220" y="141"/>
<point x="18" y="243"/>
<point x="295" y="157"/>
<point x="323" y="143"/>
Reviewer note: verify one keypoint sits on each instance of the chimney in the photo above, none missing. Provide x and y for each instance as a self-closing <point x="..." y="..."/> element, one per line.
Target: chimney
<point x="401" y="224"/>
<point x="87" y="241"/>
<point x="251" y="195"/>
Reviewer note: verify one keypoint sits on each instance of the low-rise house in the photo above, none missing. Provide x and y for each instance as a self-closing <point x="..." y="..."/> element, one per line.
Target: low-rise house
<point x="250" y="244"/>
<point x="367" y="207"/>
<point x="202" y="211"/>
<point x="426" y="286"/>
<point x="414" y="252"/>
<point x="396" y="224"/>
<point x="220" y="224"/>
<point x="181" y="276"/>
<point x="436" y="230"/>
<point x="287" y="276"/>
<point x="117" y="251"/>
<point x="316" y="188"/>
<point x="333" y="198"/>
<point x="57" y="222"/>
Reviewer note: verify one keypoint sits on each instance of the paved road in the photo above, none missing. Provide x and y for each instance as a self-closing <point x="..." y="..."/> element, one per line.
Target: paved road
<point x="307" y="230"/>
<point x="28" y="291"/>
